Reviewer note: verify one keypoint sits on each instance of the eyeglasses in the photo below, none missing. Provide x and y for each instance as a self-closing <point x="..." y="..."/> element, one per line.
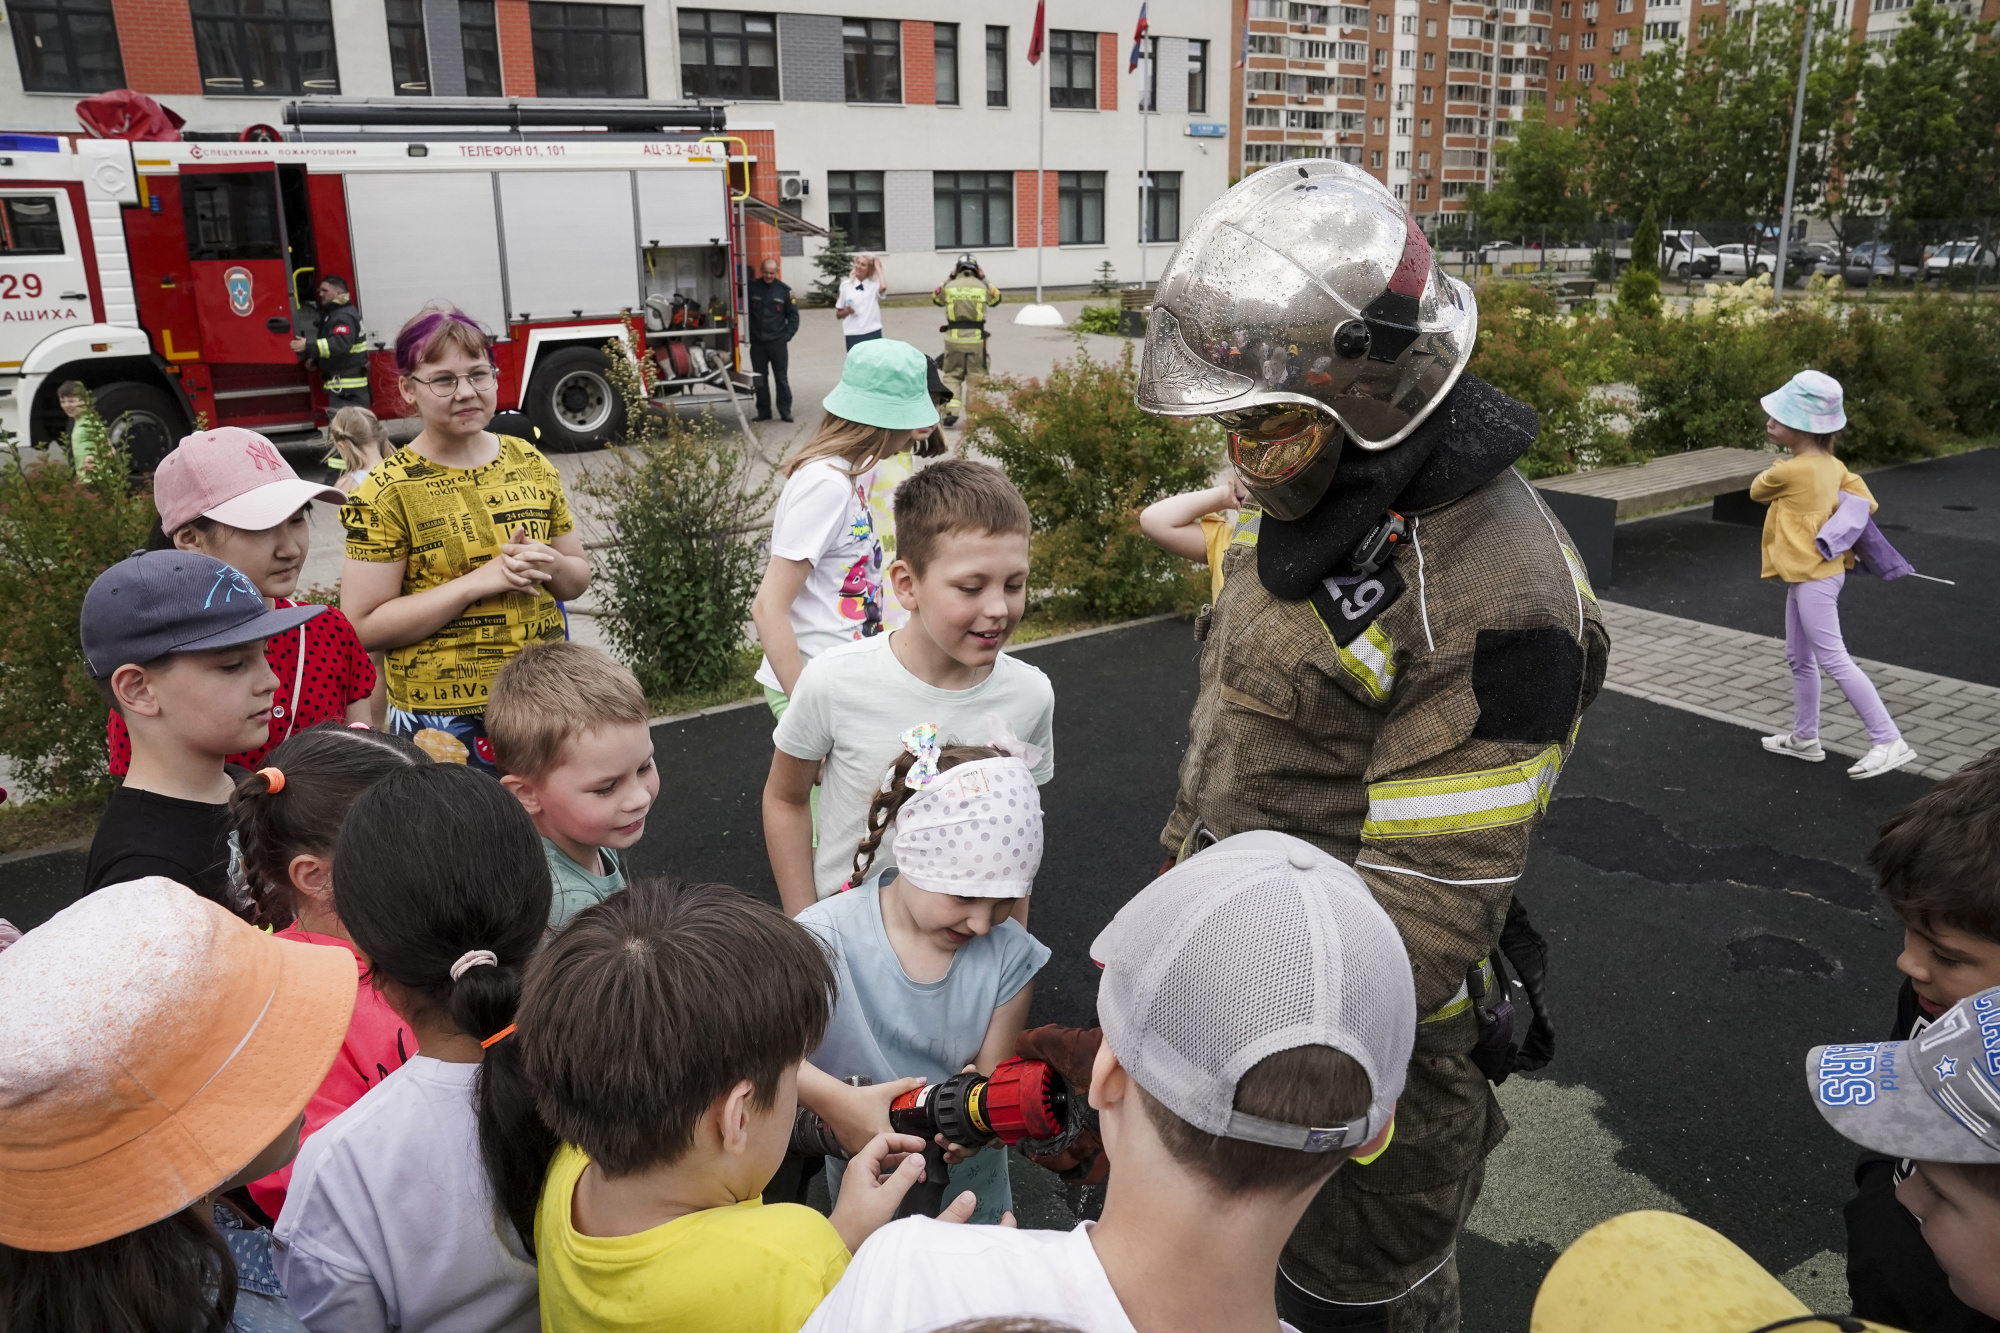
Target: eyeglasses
<point x="446" y="385"/>
<point x="1275" y="442"/>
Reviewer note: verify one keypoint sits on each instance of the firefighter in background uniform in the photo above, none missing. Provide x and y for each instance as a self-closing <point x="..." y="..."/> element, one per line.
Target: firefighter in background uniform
<point x="964" y="296"/>
<point x="339" y="350"/>
<point x="1394" y="669"/>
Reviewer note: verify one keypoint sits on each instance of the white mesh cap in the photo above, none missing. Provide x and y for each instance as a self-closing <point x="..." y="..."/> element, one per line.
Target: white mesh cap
<point x="974" y="831"/>
<point x="1260" y="944"/>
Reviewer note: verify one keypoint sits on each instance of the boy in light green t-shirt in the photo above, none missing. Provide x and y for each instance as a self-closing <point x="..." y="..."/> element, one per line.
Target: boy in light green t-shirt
<point x="662" y="1032"/>
<point x="570" y="737"/>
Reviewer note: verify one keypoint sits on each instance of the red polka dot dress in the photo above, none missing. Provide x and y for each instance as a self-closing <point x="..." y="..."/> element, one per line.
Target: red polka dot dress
<point x="337" y="673"/>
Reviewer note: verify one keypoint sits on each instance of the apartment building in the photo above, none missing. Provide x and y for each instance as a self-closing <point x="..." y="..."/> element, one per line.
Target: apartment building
<point x="1418" y="92"/>
<point x="910" y="124"/>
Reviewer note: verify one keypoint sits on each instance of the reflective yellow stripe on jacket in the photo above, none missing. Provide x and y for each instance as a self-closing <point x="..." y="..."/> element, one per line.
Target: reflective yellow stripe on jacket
<point x="1371" y="659"/>
<point x="1462" y="802"/>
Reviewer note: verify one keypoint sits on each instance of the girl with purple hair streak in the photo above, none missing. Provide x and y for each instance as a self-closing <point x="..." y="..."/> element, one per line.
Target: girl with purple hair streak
<point x="460" y="546"/>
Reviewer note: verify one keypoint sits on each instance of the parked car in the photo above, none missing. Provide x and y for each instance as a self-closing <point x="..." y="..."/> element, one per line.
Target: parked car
<point x="1874" y="261"/>
<point x="1687" y="254"/>
<point x="1742" y="261"/>
<point x="1957" y="258"/>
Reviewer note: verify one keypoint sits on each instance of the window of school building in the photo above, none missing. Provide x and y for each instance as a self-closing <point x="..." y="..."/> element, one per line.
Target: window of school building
<point x="1080" y="208"/>
<point x="66" y="46"/>
<point x="854" y="205"/>
<point x="409" y="51"/>
<point x="944" y="47"/>
<point x="996" y="67"/>
<point x="248" y="46"/>
<point x="479" y="37"/>
<point x="973" y="209"/>
<point x="1072" y="61"/>
<point x="873" y="51"/>
<point x="1198" y="77"/>
<point x="728" y="54"/>
<point x="588" y="50"/>
<point x="1160" y="206"/>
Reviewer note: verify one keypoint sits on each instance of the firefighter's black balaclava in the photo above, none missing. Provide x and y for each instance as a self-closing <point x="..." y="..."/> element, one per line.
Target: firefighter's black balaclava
<point x="1468" y="439"/>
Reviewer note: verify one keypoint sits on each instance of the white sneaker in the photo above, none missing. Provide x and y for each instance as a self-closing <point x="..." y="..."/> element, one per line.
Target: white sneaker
<point x="1883" y="759"/>
<point x="1786" y="743"/>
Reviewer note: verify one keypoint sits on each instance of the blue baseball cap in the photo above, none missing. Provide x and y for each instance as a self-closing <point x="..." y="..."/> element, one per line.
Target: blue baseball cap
<point x="157" y="602"/>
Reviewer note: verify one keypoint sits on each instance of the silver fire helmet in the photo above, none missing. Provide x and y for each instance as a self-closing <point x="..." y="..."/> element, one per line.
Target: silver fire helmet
<point x="1306" y="289"/>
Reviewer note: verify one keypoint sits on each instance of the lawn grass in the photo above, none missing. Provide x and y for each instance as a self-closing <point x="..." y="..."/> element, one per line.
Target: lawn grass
<point x="34" y="824"/>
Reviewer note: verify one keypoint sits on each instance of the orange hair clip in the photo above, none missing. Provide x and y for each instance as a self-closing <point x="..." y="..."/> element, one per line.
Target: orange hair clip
<point x="273" y="777"/>
<point x="501" y="1035"/>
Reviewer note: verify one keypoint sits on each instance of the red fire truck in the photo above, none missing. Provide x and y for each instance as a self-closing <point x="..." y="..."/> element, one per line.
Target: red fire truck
<point x="171" y="277"/>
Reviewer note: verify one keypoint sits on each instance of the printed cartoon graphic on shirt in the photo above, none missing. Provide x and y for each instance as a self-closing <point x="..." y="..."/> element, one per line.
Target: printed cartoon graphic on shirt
<point x="879" y="485"/>
<point x="861" y="590"/>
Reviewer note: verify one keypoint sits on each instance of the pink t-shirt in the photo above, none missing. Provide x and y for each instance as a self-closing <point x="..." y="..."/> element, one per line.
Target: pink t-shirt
<point x="378" y="1042"/>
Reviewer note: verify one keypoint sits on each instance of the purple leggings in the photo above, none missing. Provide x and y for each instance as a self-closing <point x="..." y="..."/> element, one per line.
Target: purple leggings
<point x="1812" y="642"/>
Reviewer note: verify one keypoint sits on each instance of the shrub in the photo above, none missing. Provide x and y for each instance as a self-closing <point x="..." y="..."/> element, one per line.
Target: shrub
<point x="58" y="531"/>
<point x="677" y="581"/>
<point x="1098" y="319"/>
<point x="834" y="262"/>
<point x="1087" y="460"/>
<point x="1556" y="363"/>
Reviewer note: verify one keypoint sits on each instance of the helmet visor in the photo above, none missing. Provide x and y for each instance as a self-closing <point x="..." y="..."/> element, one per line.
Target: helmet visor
<point x="1274" y="442"/>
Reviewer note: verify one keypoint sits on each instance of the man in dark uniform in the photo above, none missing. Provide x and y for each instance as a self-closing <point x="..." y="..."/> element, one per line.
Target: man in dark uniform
<point x="1394" y="669"/>
<point x="339" y="350"/>
<point x="774" y="319"/>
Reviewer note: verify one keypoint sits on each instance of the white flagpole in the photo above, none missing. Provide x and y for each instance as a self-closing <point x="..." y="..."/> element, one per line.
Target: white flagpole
<point x="1145" y="172"/>
<point x="1041" y="175"/>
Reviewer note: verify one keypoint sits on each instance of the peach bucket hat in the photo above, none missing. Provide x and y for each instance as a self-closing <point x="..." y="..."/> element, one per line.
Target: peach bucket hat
<point x="155" y="1045"/>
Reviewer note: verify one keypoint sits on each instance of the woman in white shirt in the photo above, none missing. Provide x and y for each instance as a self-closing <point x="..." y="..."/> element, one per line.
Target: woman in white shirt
<point x="861" y="294"/>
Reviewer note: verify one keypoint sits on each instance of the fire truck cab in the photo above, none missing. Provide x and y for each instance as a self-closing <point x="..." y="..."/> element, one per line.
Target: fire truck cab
<point x="171" y="278"/>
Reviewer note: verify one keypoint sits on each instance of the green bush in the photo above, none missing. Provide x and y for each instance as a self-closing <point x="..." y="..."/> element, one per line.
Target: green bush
<point x="58" y="531"/>
<point x="1098" y="319"/>
<point x="1087" y="460"/>
<point x="1555" y="363"/>
<point x="677" y="581"/>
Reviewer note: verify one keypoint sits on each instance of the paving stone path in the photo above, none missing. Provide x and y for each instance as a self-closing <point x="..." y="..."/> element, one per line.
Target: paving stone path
<point x="1733" y="676"/>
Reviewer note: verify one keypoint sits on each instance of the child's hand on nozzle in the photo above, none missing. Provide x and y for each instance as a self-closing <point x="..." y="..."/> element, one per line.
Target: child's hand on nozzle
<point x="868" y="1197"/>
<point x="857" y="1115"/>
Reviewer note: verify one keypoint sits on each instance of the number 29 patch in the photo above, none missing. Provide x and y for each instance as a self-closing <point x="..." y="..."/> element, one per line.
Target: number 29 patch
<point x="1348" y="606"/>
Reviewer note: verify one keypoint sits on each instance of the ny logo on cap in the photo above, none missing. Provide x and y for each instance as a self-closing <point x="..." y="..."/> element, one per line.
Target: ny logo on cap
<point x="264" y="456"/>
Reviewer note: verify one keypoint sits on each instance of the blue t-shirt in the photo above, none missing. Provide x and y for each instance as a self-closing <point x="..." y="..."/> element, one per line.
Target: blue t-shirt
<point x="889" y="1027"/>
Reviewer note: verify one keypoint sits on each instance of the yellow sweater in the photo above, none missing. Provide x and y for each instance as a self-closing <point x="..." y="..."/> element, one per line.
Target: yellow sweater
<point x="1803" y="492"/>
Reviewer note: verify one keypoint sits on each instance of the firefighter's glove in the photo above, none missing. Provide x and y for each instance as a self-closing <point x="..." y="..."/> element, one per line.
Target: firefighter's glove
<point x="1077" y="1154"/>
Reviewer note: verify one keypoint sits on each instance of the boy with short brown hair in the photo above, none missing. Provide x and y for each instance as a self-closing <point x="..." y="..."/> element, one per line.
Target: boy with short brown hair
<point x="662" y="1032"/>
<point x="570" y="736"/>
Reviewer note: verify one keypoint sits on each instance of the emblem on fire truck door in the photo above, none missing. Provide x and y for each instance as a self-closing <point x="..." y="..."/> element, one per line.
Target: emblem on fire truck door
<point x="237" y="280"/>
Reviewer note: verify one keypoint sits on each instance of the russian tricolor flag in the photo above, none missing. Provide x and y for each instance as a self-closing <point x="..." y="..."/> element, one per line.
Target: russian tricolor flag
<point x="1138" y="40"/>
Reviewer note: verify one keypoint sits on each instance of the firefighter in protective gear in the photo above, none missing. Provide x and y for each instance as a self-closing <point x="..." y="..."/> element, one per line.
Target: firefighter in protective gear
<point x="338" y="349"/>
<point x="964" y="296"/>
<point x="1394" y="669"/>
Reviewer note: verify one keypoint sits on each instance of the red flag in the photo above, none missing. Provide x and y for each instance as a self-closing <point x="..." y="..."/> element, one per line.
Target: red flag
<point x="1035" y="39"/>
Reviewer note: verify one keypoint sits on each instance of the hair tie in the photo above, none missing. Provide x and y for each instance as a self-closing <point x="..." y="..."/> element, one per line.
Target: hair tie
<point x="472" y="958"/>
<point x="501" y="1035"/>
<point x="359" y="726"/>
<point x="274" y="780"/>
<point x="922" y="742"/>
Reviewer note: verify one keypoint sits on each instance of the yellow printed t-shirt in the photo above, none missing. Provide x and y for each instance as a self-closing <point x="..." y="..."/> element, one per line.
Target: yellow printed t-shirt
<point x="1803" y="492"/>
<point x="749" y="1268"/>
<point x="446" y="522"/>
<point x="1217" y="531"/>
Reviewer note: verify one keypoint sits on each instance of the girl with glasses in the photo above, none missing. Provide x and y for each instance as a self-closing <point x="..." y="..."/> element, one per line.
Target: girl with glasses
<point x="460" y="547"/>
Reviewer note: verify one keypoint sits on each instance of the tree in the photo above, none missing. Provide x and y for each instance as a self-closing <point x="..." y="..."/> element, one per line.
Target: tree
<point x="1639" y="286"/>
<point x="1638" y="145"/>
<point x="1909" y="146"/>
<point x="834" y="262"/>
<point x="1540" y="180"/>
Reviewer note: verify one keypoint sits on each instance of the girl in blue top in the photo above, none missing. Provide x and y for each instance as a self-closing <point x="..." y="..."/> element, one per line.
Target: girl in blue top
<point x="935" y="975"/>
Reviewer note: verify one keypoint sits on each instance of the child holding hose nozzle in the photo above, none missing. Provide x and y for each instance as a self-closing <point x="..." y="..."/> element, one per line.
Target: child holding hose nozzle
<point x="935" y="975"/>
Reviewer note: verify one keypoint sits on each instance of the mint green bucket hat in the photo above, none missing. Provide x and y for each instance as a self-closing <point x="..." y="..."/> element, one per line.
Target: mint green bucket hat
<point x="884" y="383"/>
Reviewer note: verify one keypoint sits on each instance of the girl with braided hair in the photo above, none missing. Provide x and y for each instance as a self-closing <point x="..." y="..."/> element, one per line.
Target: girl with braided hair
<point x="935" y="973"/>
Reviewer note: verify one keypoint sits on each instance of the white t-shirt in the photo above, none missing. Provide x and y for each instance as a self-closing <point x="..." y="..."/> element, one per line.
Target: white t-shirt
<point x="863" y="298"/>
<point x="390" y="1222"/>
<point x="920" y="1274"/>
<point x="851" y="708"/>
<point x="823" y="516"/>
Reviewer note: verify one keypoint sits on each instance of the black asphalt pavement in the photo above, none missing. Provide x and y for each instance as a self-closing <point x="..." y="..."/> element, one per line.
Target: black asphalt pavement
<point x="1709" y="906"/>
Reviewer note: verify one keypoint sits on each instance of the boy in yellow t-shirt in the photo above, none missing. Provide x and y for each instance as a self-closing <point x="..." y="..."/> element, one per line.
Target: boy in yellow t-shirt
<point x="662" y="1032"/>
<point x="1196" y="526"/>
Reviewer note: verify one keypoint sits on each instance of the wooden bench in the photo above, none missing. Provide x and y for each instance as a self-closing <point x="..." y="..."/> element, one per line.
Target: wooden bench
<point x="1591" y="504"/>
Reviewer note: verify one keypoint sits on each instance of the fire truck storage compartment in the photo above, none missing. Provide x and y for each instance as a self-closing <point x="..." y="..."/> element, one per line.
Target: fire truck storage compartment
<point x="571" y="244"/>
<point x="420" y="238"/>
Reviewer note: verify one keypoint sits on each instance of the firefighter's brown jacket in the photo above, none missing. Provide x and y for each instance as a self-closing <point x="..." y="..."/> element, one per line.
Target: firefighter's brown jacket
<point x="1413" y="723"/>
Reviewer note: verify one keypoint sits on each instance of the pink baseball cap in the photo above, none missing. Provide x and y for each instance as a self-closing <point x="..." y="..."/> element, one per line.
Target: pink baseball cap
<point x="233" y="476"/>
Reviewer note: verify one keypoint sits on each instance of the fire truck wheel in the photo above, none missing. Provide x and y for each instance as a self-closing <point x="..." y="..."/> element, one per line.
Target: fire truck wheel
<point x="146" y="421"/>
<point x="571" y="399"/>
